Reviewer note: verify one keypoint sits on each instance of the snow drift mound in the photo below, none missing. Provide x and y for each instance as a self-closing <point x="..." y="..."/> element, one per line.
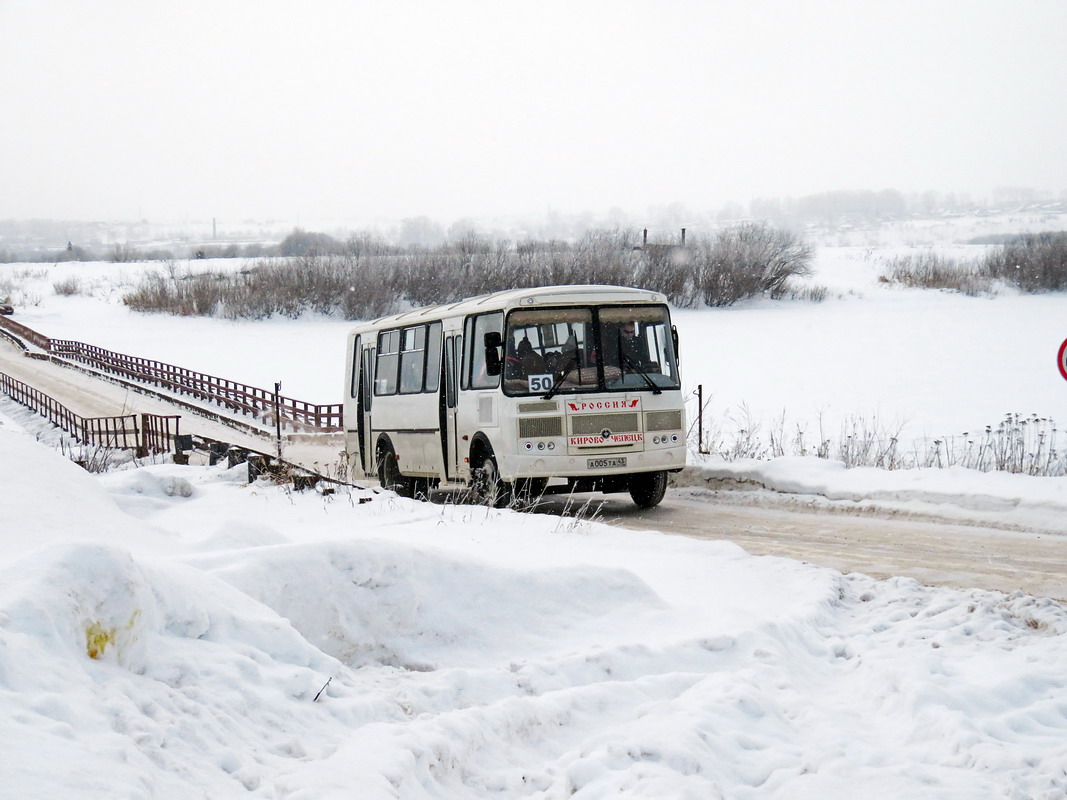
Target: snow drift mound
<point x="374" y="601"/>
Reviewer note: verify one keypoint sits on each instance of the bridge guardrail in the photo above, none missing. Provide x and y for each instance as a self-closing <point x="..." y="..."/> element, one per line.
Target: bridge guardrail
<point x="232" y="395"/>
<point x="154" y="434"/>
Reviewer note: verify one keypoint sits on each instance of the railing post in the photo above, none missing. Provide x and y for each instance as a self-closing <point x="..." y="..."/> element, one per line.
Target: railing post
<point x="143" y="436"/>
<point x="278" y="415"/>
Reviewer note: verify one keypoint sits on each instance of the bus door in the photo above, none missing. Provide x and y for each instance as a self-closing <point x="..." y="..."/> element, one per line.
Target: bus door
<point x="366" y="396"/>
<point x="449" y="401"/>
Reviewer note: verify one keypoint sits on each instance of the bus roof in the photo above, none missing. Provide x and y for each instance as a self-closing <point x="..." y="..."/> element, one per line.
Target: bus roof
<point x="582" y="294"/>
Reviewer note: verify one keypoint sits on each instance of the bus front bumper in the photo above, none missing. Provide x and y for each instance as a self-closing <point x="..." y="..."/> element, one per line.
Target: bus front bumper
<point x="590" y="465"/>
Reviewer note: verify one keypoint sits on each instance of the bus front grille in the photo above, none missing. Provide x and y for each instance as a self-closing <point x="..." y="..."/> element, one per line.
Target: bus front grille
<point x="663" y="420"/>
<point x="588" y="424"/>
<point x="534" y="427"/>
<point x="538" y="408"/>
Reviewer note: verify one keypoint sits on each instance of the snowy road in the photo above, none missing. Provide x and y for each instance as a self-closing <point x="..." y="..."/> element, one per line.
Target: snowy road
<point x="932" y="551"/>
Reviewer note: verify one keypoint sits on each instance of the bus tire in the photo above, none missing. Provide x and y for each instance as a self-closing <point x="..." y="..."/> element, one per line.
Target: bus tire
<point x="648" y="488"/>
<point x="389" y="472"/>
<point x="486" y="485"/>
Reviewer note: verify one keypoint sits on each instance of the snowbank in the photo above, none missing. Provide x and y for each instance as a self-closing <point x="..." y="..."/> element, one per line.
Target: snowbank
<point x="951" y="492"/>
<point x="221" y="639"/>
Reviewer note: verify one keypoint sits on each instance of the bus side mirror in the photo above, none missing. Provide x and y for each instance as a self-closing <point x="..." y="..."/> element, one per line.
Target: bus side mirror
<point x="674" y="338"/>
<point x="492" y="353"/>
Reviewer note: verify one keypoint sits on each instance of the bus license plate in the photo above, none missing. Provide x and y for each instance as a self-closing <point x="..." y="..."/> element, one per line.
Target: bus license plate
<point x="605" y="463"/>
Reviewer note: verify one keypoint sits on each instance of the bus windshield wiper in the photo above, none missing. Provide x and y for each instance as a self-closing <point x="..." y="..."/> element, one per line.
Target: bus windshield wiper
<point x="572" y="361"/>
<point x="638" y="369"/>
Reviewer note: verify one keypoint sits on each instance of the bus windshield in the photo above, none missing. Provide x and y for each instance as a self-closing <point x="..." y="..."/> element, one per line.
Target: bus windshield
<point x="589" y="349"/>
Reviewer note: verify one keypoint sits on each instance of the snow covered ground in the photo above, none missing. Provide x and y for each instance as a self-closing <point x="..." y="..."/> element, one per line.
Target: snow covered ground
<point x="468" y="652"/>
<point x="172" y="631"/>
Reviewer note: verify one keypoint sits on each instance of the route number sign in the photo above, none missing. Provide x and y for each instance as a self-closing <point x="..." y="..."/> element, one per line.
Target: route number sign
<point x="1061" y="360"/>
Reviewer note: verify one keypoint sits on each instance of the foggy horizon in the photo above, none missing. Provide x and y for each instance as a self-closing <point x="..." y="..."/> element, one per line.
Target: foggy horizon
<point x="358" y="112"/>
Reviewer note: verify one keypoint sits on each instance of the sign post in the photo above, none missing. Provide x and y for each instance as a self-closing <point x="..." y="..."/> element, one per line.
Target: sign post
<point x="1061" y="359"/>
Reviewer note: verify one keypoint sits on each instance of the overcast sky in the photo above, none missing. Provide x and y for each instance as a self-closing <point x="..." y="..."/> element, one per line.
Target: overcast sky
<point x="354" y="110"/>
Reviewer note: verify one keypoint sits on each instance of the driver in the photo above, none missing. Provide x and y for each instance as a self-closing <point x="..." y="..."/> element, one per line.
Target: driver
<point x="623" y="347"/>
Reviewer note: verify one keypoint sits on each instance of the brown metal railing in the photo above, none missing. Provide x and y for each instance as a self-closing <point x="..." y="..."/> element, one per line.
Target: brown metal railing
<point x="28" y="334"/>
<point x="157" y="434"/>
<point x="236" y="397"/>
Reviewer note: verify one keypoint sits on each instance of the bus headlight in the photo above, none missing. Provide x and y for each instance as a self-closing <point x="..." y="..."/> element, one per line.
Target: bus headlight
<point x="528" y="445"/>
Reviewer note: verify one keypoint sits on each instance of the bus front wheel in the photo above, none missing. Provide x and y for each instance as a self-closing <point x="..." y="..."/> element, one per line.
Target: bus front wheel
<point x="648" y="488"/>
<point x="486" y="485"/>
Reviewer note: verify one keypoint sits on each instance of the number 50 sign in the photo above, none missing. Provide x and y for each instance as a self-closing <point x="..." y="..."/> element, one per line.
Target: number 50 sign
<point x="1061" y="359"/>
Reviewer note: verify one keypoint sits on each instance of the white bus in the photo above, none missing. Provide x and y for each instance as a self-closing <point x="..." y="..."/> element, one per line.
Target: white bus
<point x="558" y="388"/>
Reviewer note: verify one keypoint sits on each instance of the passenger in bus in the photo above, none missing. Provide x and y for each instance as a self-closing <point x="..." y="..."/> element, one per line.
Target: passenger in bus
<point x="533" y="363"/>
<point x="512" y="362"/>
<point x="577" y="364"/>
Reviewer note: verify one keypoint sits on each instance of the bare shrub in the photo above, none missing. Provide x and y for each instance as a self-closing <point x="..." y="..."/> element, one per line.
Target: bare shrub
<point x="869" y="444"/>
<point x="749" y="260"/>
<point x="1025" y="445"/>
<point x="306" y="243"/>
<point x="1020" y="444"/>
<point x="811" y="294"/>
<point x="123" y="254"/>
<point x="67" y="287"/>
<point x="370" y="279"/>
<point x="1034" y="262"/>
<point x="930" y="270"/>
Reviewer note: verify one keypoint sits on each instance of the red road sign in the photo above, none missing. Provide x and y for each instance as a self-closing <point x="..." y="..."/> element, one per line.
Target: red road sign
<point x="1061" y="359"/>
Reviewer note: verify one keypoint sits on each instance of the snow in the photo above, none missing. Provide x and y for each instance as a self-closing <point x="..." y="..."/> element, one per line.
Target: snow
<point x="935" y="363"/>
<point x="251" y="640"/>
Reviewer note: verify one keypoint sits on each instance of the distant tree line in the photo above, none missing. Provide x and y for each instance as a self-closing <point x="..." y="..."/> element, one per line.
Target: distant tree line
<point x="34" y="240"/>
<point x="298" y="242"/>
<point x="365" y="278"/>
<point x="848" y="208"/>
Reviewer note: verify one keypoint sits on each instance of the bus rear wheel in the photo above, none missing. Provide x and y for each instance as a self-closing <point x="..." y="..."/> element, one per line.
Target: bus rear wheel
<point x="648" y="488"/>
<point x="389" y="473"/>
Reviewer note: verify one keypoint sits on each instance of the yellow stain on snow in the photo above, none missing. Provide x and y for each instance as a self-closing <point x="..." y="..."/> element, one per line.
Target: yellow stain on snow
<point x="97" y="637"/>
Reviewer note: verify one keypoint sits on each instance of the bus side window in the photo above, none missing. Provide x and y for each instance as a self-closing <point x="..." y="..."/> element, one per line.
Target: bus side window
<point x="483" y="324"/>
<point x="368" y="384"/>
<point x="412" y="359"/>
<point x="465" y="366"/>
<point x="385" y="372"/>
<point x="433" y="357"/>
<point x="356" y="364"/>
<point x="450" y="371"/>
